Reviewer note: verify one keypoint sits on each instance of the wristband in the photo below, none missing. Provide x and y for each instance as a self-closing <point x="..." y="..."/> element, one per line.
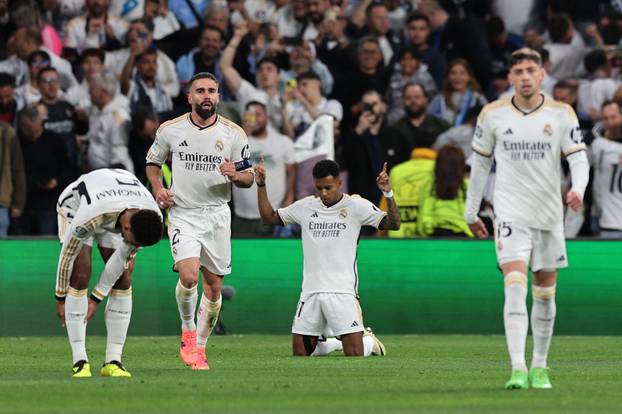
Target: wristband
<point x="388" y="194"/>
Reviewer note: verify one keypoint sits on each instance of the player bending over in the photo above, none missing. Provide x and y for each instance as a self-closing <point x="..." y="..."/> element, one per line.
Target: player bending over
<point x="113" y="208"/>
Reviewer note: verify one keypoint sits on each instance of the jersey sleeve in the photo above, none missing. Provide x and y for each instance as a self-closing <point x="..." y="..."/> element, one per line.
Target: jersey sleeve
<point x="572" y="138"/>
<point x="160" y="148"/>
<point x="483" y="137"/>
<point x="113" y="270"/>
<point x="293" y="213"/>
<point x="81" y="228"/>
<point x="368" y="213"/>
<point x="241" y="153"/>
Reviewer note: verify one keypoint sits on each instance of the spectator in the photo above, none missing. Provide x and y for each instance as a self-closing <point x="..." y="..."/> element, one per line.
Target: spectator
<point x="98" y="28"/>
<point x="418" y="128"/>
<point x="28" y="14"/>
<point x="501" y="44"/>
<point x="144" y="126"/>
<point x="291" y="20"/>
<point x="372" y="19"/>
<point x="566" y="57"/>
<point x="29" y="92"/>
<point x="12" y="178"/>
<point x="144" y="90"/>
<point x="164" y="22"/>
<point x="370" y="144"/>
<point x="302" y="59"/>
<point x="204" y="58"/>
<point x="305" y="104"/>
<point x="599" y="85"/>
<point x="61" y="117"/>
<point x="461" y="92"/>
<point x="566" y="92"/>
<point x="277" y="151"/>
<point x="315" y="15"/>
<point x="418" y="33"/>
<point x="58" y="13"/>
<point x="140" y="38"/>
<point x="461" y="35"/>
<point x="108" y="134"/>
<point x="332" y="44"/>
<point x="442" y="199"/>
<point x="370" y="73"/>
<point x="460" y="136"/>
<point x="46" y="173"/>
<point x="411" y="70"/>
<point x="91" y="62"/>
<point x="267" y="79"/>
<point x="10" y="101"/>
<point x="189" y="14"/>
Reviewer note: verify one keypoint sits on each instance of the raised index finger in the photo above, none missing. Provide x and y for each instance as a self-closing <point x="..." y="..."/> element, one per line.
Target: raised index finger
<point x="384" y="168"/>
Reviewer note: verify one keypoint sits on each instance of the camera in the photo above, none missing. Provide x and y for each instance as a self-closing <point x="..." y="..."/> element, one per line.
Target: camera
<point x="367" y="107"/>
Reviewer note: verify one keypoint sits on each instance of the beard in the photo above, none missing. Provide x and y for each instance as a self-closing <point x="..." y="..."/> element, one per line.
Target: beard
<point x="259" y="131"/>
<point x="414" y="114"/>
<point x="204" y="113"/>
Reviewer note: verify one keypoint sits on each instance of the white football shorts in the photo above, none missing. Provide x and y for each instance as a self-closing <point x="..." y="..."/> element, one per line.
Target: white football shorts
<point x="542" y="249"/>
<point x="204" y="233"/>
<point x="330" y="314"/>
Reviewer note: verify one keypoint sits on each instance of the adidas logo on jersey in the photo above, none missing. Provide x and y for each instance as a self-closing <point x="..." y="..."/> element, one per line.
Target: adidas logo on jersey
<point x="354" y="324"/>
<point x="508" y="132"/>
<point x="314" y="214"/>
<point x="561" y="258"/>
<point x="183" y="143"/>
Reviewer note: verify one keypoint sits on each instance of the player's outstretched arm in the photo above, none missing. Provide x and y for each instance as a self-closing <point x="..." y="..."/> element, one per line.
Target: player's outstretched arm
<point x="162" y="195"/>
<point x="267" y="213"/>
<point x="392" y="220"/>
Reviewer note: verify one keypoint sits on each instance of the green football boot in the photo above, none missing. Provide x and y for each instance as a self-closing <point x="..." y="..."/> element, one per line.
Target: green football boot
<point x="518" y="380"/>
<point x="539" y="378"/>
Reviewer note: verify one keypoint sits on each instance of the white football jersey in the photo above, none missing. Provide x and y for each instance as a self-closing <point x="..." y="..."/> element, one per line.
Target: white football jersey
<point x="527" y="148"/>
<point x="92" y="205"/>
<point x="330" y="240"/>
<point x="606" y="159"/>
<point x="197" y="153"/>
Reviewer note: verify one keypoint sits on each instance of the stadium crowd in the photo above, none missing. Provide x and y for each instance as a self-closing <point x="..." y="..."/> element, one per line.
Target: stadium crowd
<point x="85" y="84"/>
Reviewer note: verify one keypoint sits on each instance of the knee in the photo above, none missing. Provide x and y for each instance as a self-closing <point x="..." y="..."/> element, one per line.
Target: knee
<point x="124" y="283"/>
<point x="188" y="279"/>
<point x="80" y="278"/>
<point x="543" y="293"/>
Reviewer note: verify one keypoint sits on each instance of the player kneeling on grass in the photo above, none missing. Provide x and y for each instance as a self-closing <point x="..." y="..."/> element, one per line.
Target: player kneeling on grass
<point x="331" y="223"/>
<point x="113" y="208"/>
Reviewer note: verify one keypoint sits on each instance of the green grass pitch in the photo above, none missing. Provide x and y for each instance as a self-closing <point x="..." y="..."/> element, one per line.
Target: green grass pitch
<point x="256" y="374"/>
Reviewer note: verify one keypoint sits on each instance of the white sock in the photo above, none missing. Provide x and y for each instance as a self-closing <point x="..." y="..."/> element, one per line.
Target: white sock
<point x="76" y="306"/>
<point x="542" y="322"/>
<point x="515" y="318"/>
<point x="187" y="304"/>
<point x="326" y="347"/>
<point x="206" y="319"/>
<point x="368" y="345"/>
<point x="118" y="314"/>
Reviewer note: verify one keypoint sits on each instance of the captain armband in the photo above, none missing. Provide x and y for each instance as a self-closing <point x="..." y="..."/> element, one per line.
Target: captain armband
<point x="245" y="164"/>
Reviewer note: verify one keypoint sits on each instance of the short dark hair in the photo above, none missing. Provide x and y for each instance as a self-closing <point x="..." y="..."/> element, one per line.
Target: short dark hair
<point x="420" y="85"/>
<point x="595" y="60"/>
<point x="525" y="54"/>
<point x="415" y="53"/>
<point x="567" y="85"/>
<point x="202" y="75"/>
<point x="147" y="21"/>
<point x="268" y="59"/>
<point x="370" y="8"/>
<point x="610" y="102"/>
<point x="43" y="71"/>
<point x="146" y="227"/>
<point x="308" y="75"/>
<point x="326" y="168"/>
<point x="6" y="79"/>
<point x="417" y="16"/>
<point x="93" y="52"/>
<point x="38" y="54"/>
<point x="253" y="103"/>
<point x="214" y="29"/>
<point x="146" y="52"/>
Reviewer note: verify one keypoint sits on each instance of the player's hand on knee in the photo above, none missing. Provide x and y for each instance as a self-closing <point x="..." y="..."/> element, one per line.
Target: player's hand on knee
<point x="164" y="197"/>
<point x="60" y="312"/>
<point x="91" y="310"/>
<point x="479" y="229"/>
<point x="574" y="200"/>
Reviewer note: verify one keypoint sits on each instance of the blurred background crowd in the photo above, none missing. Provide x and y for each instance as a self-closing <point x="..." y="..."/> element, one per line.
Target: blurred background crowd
<point x="85" y="84"/>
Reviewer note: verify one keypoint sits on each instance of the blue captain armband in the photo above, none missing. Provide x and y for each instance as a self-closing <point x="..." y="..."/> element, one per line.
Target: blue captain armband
<point x="243" y="165"/>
